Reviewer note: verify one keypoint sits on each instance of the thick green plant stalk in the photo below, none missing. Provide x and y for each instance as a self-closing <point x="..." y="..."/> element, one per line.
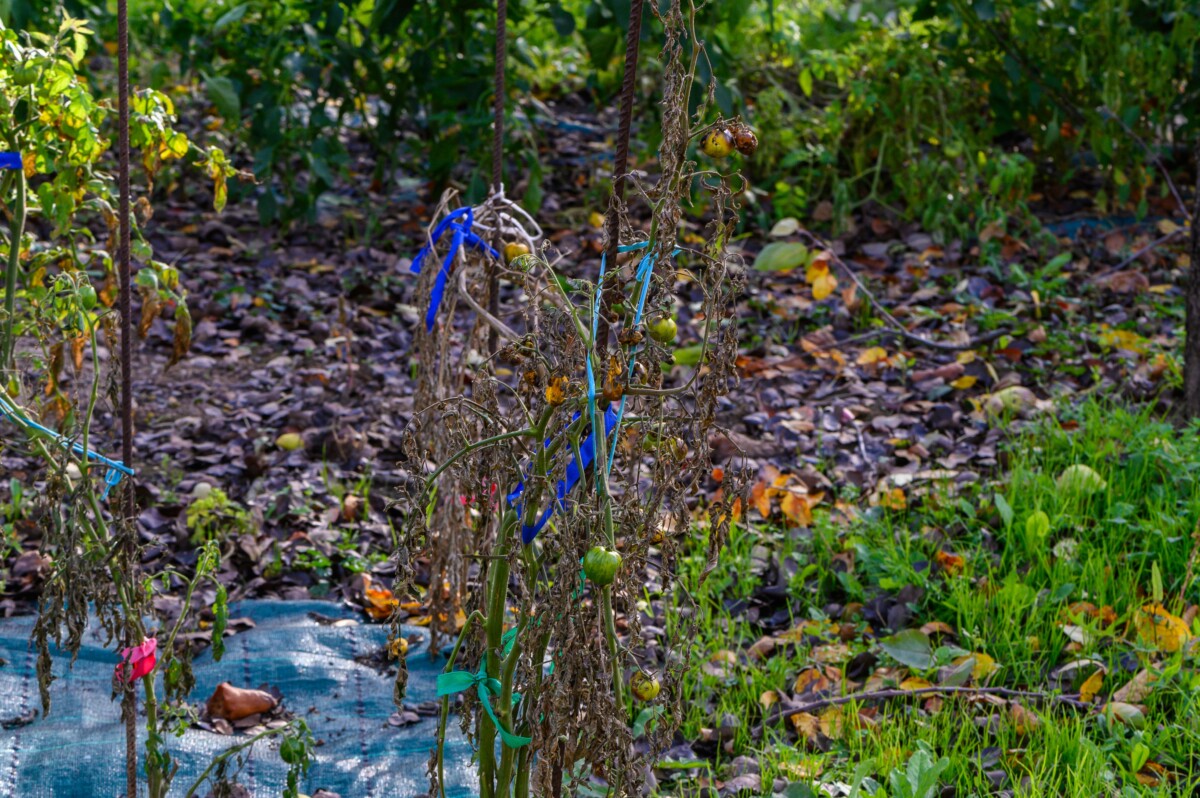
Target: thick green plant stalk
<point x="16" y="232"/>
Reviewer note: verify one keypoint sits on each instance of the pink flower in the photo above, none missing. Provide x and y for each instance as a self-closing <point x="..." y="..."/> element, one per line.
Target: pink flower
<point x="139" y="659"/>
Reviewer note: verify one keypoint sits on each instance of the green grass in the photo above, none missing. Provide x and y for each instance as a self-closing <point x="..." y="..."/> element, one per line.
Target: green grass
<point x="1010" y="599"/>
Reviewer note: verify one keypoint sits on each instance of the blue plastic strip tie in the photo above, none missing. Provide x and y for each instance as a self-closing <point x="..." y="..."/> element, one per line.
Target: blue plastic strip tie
<point x="11" y="160"/>
<point x="116" y="470"/>
<point x="459" y="222"/>
<point x="645" y="269"/>
<point x="575" y="469"/>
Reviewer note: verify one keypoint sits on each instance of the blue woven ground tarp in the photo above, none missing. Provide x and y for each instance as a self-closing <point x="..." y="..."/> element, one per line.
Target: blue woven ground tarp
<point x="79" y="749"/>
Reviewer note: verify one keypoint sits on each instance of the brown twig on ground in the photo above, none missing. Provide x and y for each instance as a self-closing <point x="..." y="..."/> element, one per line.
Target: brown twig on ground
<point x="897" y="328"/>
<point x="884" y="695"/>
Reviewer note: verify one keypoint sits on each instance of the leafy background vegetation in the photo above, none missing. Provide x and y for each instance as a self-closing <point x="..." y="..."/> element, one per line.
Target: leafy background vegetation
<point x="950" y="112"/>
<point x="971" y="119"/>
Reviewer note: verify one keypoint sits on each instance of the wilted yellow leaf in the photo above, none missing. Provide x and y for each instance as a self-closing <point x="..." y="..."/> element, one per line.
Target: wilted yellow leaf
<point x="1160" y="629"/>
<point x="824" y="287"/>
<point x="768" y="699"/>
<point x="915" y="683"/>
<point x="556" y="391"/>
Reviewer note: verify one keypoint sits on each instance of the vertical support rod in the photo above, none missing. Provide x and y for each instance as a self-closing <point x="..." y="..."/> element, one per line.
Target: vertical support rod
<point x="1191" y="350"/>
<point x="129" y="699"/>
<point x="497" y="163"/>
<point x="612" y="292"/>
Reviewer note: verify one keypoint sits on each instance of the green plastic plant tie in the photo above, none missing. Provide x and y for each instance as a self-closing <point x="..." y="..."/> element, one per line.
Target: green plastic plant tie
<point x="487" y="687"/>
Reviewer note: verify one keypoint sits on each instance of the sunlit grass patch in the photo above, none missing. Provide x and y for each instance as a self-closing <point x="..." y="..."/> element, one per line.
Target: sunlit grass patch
<point x="1058" y="600"/>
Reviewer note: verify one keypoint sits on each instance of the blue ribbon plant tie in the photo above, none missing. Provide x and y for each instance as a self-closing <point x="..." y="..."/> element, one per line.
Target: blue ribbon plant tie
<point x="459" y="224"/>
<point x="575" y="471"/>
<point x="487" y="688"/>
<point x="115" y="471"/>
<point x="11" y="160"/>
<point x="612" y="417"/>
<point x="644" y="270"/>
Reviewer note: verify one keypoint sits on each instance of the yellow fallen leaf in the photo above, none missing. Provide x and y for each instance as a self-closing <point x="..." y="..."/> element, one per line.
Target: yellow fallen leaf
<point x="832" y="723"/>
<point x="894" y="499"/>
<point x="768" y="699"/>
<point x="797" y="509"/>
<point x="824" y="286"/>
<point x="984" y="666"/>
<point x="1160" y="629"/>
<point x="1091" y="686"/>
<point x="915" y="683"/>
<point x="964" y="382"/>
<point x="806" y="725"/>
<point x="871" y="356"/>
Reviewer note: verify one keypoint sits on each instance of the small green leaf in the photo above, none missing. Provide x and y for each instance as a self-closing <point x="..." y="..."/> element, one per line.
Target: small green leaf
<point x="223" y="94"/>
<point x="1037" y="527"/>
<point x="1062" y="592"/>
<point x="910" y="647"/>
<point x="1005" y="509"/>
<point x="806" y="82"/>
<point x="782" y="256"/>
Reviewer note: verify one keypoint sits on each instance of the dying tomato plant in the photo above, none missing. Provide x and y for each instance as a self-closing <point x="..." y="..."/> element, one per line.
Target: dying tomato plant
<point x="588" y="460"/>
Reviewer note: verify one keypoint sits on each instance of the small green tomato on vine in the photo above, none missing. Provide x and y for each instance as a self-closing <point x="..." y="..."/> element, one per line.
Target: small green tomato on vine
<point x="644" y="686"/>
<point x="87" y="297"/>
<point x="662" y="329"/>
<point x="600" y="565"/>
<point x="523" y="263"/>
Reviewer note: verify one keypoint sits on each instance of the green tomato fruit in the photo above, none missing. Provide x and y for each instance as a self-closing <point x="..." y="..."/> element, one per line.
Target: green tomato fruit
<point x="644" y="686"/>
<point x="663" y="329"/>
<point x="87" y="297"/>
<point x="601" y="565"/>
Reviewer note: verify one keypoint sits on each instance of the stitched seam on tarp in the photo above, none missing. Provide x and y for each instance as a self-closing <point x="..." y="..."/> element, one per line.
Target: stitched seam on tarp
<point x="360" y="710"/>
<point x="246" y="673"/>
<point x="16" y="754"/>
